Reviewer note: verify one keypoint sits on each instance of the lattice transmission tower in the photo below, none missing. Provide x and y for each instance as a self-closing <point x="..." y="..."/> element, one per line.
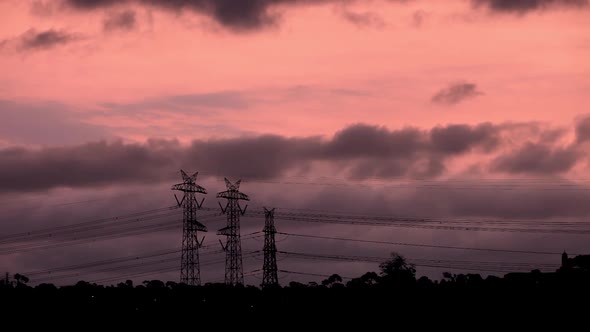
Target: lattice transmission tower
<point x="270" y="277"/>
<point x="190" y="272"/>
<point x="234" y="273"/>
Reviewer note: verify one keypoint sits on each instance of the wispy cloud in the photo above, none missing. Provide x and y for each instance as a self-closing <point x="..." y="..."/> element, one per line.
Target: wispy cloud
<point x="124" y="20"/>
<point x="456" y="93"/>
<point x="33" y="40"/>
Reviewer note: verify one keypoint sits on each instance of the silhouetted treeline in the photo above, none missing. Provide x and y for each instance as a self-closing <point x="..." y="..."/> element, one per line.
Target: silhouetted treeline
<point x="393" y="291"/>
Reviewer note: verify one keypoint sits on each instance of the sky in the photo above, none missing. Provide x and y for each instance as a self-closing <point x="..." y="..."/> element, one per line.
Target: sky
<point x="458" y="109"/>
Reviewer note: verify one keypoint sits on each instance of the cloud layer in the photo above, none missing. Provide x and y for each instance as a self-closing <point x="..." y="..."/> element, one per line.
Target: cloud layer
<point x="359" y="151"/>
<point x="256" y="14"/>
<point x="235" y="15"/>
<point x="523" y="6"/>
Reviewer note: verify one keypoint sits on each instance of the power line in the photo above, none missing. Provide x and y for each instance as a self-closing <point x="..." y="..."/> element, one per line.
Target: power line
<point x="133" y="263"/>
<point x="89" y="265"/>
<point x="82" y="225"/>
<point x="104" y="235"/>
<point x="445" y="264"/>
<point x="421" y="245"/>
<point x="113" y="234"/>
<point x="99" y="263"/>
<point x="160" y="270"/>
<point x="321" y="213"/>
<point x="75" y="231"/>
<point x="437" y="261"/>
<point x="569" y="227"/>
<point x="342" y="220"/>
<point x="130" y="266"/>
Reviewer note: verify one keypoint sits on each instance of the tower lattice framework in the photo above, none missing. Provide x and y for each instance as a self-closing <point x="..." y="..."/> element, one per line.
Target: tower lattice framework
<point x="270" y="277"/>
<point x="190" y="272"/>
<point x="234" y="273"/>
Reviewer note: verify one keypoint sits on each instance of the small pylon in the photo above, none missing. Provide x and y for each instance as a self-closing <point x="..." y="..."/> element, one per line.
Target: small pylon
<point x="270" y="276"/>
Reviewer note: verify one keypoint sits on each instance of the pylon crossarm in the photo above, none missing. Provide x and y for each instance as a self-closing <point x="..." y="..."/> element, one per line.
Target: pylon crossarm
<point x="179" y="202"/>
<point x="199" y="205"/>
<point x="200" y="227"/>
<point x="244" y="210"/>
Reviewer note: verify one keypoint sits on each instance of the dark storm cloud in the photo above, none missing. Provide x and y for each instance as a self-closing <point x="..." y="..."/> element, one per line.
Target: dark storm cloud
<point x="456" y="93"/>
<point x="93" y="4"/>
<point x="259" y="157"/>
<point x="537" y="159"/>
<point x="361" y="151"/>
<point x="410" y="151"/>
<point x="523" y="6"/>
<point x="32" y="40"/>
<point x="85" y="165"/>
<point x="124" y="20"/>
<point x="236" y="15"/>
<point x="363" y="141"/>
<point x="457" y="139"/>
<point x="372" y="146"/>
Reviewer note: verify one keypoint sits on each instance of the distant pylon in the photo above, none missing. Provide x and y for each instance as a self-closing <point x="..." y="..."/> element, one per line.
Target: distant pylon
<point x="270" y="276"/>
<point x="190" y="272"/>
<point x="234" y="273"/>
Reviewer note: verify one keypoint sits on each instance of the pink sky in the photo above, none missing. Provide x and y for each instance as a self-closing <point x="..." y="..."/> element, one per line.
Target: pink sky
<point x="66" y="81"/>
<point x="294" y="77"/>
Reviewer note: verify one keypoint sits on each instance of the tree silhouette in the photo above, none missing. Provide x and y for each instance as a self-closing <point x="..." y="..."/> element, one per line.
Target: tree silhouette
<point x="295" y="284"/>
<point x="396" y="271"/>
<point x="449" y="276"/>
<point x="369" y="279"/>
<point x="127" y="284"/>
<point x="425" y="282"/>
<point x="154" y="284"/>
<point x="333" y="279"/>
<point x="391" y="289"/>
